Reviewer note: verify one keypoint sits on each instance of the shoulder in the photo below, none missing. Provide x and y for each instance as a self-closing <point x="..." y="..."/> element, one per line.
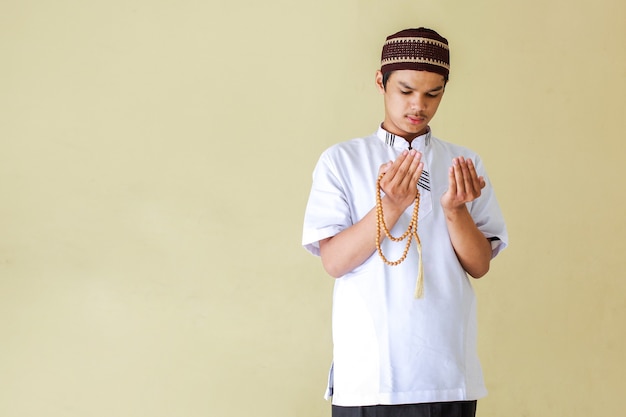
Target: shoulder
<point x="355" y="143"/>
<point x="351" y="148"/>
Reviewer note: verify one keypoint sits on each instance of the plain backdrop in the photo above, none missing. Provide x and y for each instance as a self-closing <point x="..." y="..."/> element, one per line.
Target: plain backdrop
<point x="156" y="159"/>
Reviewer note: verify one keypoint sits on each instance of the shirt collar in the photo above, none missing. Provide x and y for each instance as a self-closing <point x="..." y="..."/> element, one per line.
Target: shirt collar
<point x="399" y="142"/>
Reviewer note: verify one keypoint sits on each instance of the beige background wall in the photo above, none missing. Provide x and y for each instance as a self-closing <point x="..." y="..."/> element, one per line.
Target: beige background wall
<point x="155" y="160"/>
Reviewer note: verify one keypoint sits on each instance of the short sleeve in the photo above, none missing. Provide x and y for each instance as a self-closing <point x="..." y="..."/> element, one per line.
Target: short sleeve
<point x="327" y="211"/>
<point x="487" y="214"/>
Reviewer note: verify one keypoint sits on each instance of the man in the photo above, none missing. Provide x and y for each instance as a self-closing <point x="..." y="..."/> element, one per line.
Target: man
<point x="404" y="341"/>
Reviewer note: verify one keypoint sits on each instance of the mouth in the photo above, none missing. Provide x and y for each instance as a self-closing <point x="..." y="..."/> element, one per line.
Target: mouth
<point x="416" y="120"/>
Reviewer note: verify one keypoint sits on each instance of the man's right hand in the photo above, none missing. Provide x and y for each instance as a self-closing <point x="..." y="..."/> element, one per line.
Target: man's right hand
<point x="399" y="182"/>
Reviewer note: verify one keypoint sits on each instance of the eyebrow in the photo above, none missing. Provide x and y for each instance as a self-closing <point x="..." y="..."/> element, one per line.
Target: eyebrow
<point x="404" y="85"/>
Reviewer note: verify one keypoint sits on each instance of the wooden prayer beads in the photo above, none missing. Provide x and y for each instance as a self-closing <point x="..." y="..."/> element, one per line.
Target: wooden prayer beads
<point x="410" y="232"/>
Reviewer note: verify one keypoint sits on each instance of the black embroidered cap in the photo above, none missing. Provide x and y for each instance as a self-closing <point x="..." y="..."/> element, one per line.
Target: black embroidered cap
<point x="419" y="49"/>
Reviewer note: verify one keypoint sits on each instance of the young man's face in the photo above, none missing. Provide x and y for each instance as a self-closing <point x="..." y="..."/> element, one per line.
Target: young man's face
<point x="411" y="101"/>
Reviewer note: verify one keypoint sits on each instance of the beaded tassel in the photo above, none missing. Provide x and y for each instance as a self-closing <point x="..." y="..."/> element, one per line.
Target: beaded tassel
<point x="408" y="234"/>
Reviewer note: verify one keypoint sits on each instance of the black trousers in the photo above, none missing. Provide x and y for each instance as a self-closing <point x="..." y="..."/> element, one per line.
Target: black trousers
<point x="445" y="409"/>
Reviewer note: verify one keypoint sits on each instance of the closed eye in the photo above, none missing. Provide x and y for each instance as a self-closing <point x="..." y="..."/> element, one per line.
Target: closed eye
<point x="435" y="92"/>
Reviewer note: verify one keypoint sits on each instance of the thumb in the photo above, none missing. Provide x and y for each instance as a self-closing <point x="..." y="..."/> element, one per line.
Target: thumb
<point x="384" y="167"/>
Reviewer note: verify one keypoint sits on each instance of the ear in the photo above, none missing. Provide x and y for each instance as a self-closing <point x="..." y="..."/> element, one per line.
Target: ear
<point x="379" y="82"/>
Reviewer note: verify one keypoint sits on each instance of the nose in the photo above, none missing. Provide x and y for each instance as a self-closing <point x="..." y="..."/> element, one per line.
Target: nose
<point x="418" y="103"/>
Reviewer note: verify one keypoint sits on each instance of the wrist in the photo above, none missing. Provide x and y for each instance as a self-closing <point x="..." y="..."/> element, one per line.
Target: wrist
<point x="453" y="213"/>
<point x="394" y="207"/>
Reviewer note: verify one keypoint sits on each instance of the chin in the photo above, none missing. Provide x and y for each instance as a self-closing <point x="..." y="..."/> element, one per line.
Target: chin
<point x="417" y="131"/>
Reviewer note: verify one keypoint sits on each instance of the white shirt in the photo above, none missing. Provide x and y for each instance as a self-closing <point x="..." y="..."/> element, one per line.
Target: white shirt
<point x="389" y="347"/>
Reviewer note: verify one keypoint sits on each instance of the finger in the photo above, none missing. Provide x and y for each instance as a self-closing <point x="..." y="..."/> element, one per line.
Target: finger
<point x="479" y="181"/>
<point x="414" y="170"/>
<point x="384" y="168"/>
<point x="393" y="169"/>
<point x="402" y="169"/>
<point x="470" y="187"/>
<point x="391" y="182"/>
<point x="459" y="178"/>
<point x="452" y="187"/>
<point x="473" y="175"/>
<point x="405" y="167"/>
<point x="417" y="167"/>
